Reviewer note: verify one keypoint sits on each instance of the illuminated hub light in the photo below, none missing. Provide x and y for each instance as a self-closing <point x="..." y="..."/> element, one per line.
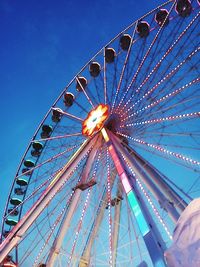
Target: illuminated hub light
<point x="95" y="120"/>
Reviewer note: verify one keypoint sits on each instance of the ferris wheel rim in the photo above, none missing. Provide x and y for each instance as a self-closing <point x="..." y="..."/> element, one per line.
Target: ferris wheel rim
<point x="65" y="90"/>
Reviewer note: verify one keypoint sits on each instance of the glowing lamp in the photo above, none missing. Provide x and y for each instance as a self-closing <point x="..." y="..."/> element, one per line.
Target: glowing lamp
<point x="95" y="120"/>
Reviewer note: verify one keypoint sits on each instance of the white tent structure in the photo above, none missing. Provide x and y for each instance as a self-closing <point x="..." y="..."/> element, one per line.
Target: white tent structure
<point x="185" y="250"/>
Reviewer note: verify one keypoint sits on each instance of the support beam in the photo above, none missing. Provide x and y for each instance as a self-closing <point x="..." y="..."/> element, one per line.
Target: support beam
<point x="55" y="249"/>
<point x="164" y="202"/>
<point x="155" y="252"/>
<point x="149" y="219"/>
<point x="157" y="178"/>
<point x="24" y="224"/>
<point x="90" y="161"/>
<point x="85" y="259"/>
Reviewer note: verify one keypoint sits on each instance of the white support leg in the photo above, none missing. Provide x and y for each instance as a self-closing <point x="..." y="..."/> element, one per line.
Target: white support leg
<point x="155" y="251"/>
<point x="157" y="178"/>
<point x="85" y="259"/>
<point x="55" y="250"/>
<point x="164" y="202"/>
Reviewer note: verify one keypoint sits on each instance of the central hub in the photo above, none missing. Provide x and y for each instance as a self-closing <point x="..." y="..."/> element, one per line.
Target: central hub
<point x="95" y="120"/>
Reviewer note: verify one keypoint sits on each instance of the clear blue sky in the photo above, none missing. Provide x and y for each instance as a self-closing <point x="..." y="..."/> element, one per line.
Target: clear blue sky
<point x="43" y="44"/>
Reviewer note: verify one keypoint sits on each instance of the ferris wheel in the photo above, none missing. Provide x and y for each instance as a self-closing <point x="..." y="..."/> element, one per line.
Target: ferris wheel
<point x="115" y="161"/>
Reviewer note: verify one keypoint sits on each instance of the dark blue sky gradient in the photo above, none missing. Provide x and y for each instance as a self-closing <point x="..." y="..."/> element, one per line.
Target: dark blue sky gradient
<point x="43" y="45"/>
